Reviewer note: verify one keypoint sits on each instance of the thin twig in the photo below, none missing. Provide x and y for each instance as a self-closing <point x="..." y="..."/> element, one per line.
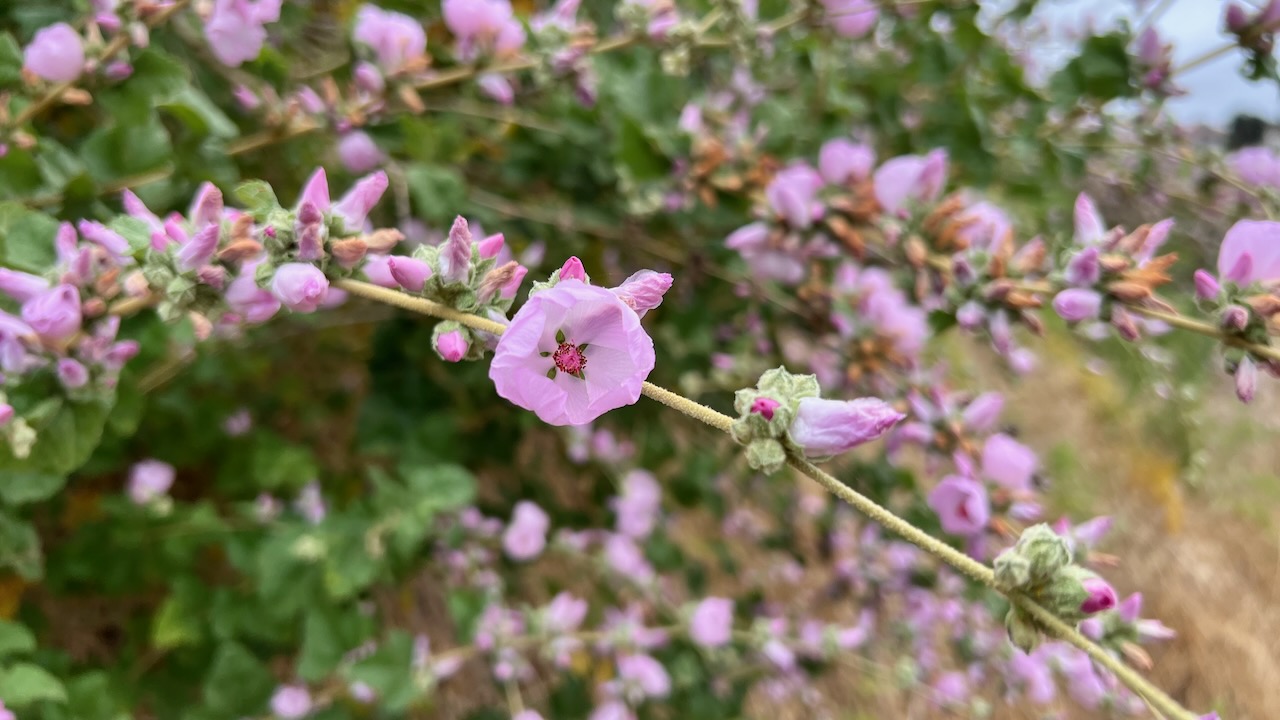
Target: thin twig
<point x="957" y="560"/>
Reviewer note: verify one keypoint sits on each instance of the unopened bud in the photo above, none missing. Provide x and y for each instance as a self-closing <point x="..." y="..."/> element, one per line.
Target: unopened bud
<point x="1207" y="287"/>
<point x="349" y="252"/>
<point x="496" y="279"/>
<point x="240" y="250"/>
<point x="1128" y="291"/>
<point x="383" y="239"/>
<point x="916" y="251"/>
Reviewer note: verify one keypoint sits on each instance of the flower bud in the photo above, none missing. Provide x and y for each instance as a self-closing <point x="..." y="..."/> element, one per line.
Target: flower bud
<point x="72" y="374"/>
<point x="1207" y="287"/>
<point x="1012" y="570"/>
<point x="455" y="254"/>
<point x="207" y="208"/>
<point x="764" y="406"/>
<point x="199" y="249"/>
<point x="573" y="270"/>
<point x="496" y="279"/>
<point x="508" y="291"/>
<point x="1101" y="596"/>
<point x="824" y="428"/>
<point x="644" y="290"/>
<point x="1237" y="20"/>
<point x="368" y="78"/>
<point x="1246" y="379"/>
<point x="21" y="286"/>
<point x="452" y="345"/>
<point x="358" y="152"/>
<point x="240" y="251"/>
<point x="1046" y="551"/>
<point x="383" y="239"/>
<point x="301" y="287"/>
<point x="766" y="455"/>
<point x="1129" y="291"/>
<point x="412" y="274"/>
<point x="1084" y="268"/>
<point x="981" y="414"/>
<point x="1235" y="317"/>
<point x="1077" y="304"/>
<point x="1023" y="630"/>
<point x="6" y="413"/>
<point x="212" y="275"/>
<point x="349" y="252"/>
<point x="491" y="246"/>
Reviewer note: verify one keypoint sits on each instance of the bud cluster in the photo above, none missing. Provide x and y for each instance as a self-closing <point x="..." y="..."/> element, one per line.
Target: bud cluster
<point x="1040" y="568"/>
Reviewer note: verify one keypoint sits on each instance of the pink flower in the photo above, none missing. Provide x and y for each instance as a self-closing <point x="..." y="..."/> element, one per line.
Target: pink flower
<point x="455" y="254"/>
<point x="785" y="265"/>
<point x="793" y="195"/>
<point x="1101" y="596"/>
<point x="627" y="559"/>
<point x="301" y="287"/>
<point x="1008" y="462"/>
<point x="6" y="414"/>
<point x="851" y="18"/>
<point x="981" y="414"/>
<point x="1256" y="166"/>
<point x="765" y="406"/>
<point x="1207" y="286"/>
<point x="483" y="27"/>
<point x="526" y="536"/>
<point x="639" y="504"/>
<point x="377" y="268"/>
<point x="526" y="715"/>
<point x="646" y="674"/>
<point x="397" y="39"/>
<point x="572" y="353"/>
<point x="235" y="29"/>
<point x="56" y="53"/>
<point x="54" y="314"/>
<point x="986" y="226"/>
<point x="829" y="427"/>
<point x="564" y="614"/>
<point x="573" y="270"/>
<point x="354" y="207"/>
<point x="841" y="161"/>
<point x="613" y="710"/>
<point x="1250" y="252"/>
<point x="910" y="178"/>
<point x="1077" y="304"/>
<point x="246" y="299"/>
<point x="148" y="480"/>
<point x="961" y="504"/>
<point x="72" y="374"/>
<point x="199" y="249"/>
<point x="358" y="152"/>
<point x="452" y="345"/>
<point x="711" y="624"/>
<point x="291" y="702"/>
<point x="643" y="291"/>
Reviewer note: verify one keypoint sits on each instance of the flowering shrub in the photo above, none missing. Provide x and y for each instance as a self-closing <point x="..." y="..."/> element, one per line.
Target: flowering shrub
<point x="324" y="458"/>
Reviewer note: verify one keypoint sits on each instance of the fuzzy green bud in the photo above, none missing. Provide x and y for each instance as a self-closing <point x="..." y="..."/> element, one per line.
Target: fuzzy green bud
<point x="1045" y="550"/>
<point x="1024" y="631"/>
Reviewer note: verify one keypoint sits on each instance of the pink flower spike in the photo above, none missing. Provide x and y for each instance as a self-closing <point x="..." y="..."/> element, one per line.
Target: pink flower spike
<point x="491" y="246"/>
<point x="316" y="191"/>
<point x="301" y="287"/>
<point x="1250" y="252"/>
<point x="572" y="353"/>
<point x="1101" y="596"/>
<point x="829" y="427"/>
<point x="56" y="54"/>
<point x="765" y="406"/>
<point x="573" y="270"/>
<point x="411" y="274"/>
<point x="643" y="291"/>
<point x="354" y="207"/>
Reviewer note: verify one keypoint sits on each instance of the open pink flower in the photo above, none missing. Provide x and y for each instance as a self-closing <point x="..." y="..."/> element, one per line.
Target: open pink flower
<point x="961" y="504"/>
<point x="572" y="353"/>
<point x="235" y="29"/>
<point x="396" y="38"/>
<point x="56" y="53"/>
<point x="1250" y="252"/>
<point x="910" y="178"/>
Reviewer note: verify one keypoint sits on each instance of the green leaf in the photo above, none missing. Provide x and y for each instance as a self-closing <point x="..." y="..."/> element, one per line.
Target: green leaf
<point x="437" y="191"/>
<point x="121" y="151"/>
<point x="175" y="624"/>
<point x="22" y="487"/>
<point x="439" y="488"/>
<point x="133" y="229"/>
<point x="237" y="683"/>
<point x="389" y="671"/>
<point x="15" y="639"/>
<point x="638" y="154"/>
<point x="1101" y="71"/>
<point x="258" y="198"/>
<point x="157" y="77"/>
<point x="10" y="59"/>
<point x="198" y="113"/>
<point x="327" y="635"/>
<point x="26" y="237"/>
<point x="64" y="441"/>
<point x="24" y="684"/>
<point x="20" y="548"/>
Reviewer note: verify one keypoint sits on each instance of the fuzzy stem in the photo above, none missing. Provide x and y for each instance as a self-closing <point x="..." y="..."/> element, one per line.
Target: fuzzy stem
<point x="886" y="518"/>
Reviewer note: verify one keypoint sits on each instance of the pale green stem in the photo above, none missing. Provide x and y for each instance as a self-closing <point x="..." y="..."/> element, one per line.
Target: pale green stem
<point x="881" y="515"/>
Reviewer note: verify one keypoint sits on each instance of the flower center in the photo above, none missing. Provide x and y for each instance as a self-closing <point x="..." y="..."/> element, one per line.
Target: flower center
<point x="569" y="358"/>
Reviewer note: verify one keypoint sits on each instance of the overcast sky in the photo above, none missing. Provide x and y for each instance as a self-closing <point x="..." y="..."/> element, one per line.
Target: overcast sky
<point x="1216" y="91"/>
